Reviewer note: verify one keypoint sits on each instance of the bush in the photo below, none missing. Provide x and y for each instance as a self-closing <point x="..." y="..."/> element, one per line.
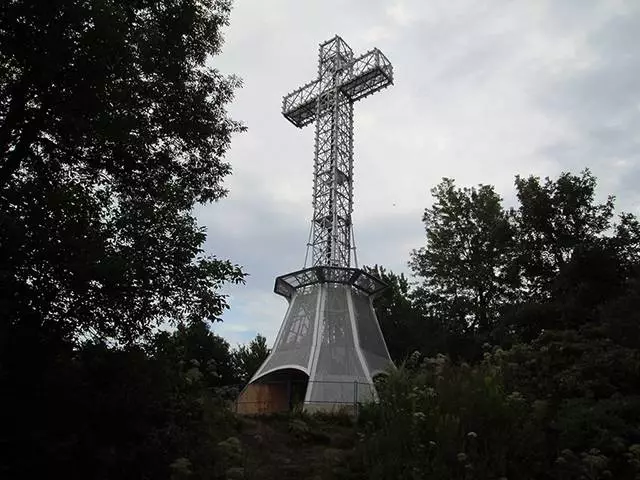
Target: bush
<point x="440" y="420"/>
<point x="447" y="421"/>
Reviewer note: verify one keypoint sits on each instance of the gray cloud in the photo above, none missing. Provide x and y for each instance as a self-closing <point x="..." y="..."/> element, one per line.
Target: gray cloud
<point x="601" y="101"/>
<point x="484" y="91"/>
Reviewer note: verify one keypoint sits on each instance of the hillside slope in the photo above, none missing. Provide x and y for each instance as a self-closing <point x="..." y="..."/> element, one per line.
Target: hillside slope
<point x="292" y="447"/>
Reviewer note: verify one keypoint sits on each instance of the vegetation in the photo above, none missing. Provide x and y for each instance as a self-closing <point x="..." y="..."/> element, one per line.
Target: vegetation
<point x="533" y="366"/>
<point x="112" y="127"/>
<point x="518" y="346"/>
<point x="248" y="358"/>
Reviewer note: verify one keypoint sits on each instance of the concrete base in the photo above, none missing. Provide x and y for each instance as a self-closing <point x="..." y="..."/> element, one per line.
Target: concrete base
<point x="331" y="408"/>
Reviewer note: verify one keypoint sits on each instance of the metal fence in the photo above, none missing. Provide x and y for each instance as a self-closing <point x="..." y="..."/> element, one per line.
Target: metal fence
<point x="285" y="396"/>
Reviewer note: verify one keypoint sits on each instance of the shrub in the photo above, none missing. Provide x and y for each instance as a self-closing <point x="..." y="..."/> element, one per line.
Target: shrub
<point x="447" y="421"/>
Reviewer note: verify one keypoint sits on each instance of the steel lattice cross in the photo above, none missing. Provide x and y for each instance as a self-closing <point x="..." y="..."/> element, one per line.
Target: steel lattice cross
<point x="328" y="100"/>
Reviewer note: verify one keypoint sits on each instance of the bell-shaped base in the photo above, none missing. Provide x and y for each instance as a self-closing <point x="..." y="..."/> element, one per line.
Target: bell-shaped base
<point x="328" y="349"/>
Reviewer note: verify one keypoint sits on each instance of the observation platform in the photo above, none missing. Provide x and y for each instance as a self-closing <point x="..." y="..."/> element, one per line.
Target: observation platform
<point x="286" y="285"/>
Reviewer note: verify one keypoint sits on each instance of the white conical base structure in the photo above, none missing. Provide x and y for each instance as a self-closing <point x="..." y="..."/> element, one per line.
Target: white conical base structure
<point x="330" y="337"/>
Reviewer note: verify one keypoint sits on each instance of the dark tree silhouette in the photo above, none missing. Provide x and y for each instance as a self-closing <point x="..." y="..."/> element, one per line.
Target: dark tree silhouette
<point x="248" y="358"/>
<point x="112" y="127"/>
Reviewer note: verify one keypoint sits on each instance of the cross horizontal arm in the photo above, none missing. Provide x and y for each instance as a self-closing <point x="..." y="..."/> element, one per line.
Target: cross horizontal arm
<point x="363" y="76"/>
<point x="299" y="107"/>
<point x="368" y="74"/>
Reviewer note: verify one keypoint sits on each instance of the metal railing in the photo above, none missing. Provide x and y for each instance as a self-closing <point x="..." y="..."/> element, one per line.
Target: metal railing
<point x="286" y="396"/>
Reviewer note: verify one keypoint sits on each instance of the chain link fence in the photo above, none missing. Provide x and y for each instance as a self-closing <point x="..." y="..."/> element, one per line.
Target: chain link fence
<point x="285" y="396"/>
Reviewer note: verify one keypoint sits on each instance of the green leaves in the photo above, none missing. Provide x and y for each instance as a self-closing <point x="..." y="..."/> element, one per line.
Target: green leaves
<point x="443" y="420"/>
<point x="195" y="348"/>
<point x="550" y="289"/>
<point x="113" y="126"/>
<point x="554" y="219"/>
<point x="248" y="358"/>
<point x="500" y="275"/>
<point x="465" y="262"/>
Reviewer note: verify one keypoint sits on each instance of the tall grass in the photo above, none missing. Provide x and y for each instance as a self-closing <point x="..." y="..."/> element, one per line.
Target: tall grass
<point x="445" y="421"/>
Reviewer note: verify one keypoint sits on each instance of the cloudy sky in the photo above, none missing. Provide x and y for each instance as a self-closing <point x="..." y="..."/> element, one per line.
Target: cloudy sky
<point x="484" y="90"/>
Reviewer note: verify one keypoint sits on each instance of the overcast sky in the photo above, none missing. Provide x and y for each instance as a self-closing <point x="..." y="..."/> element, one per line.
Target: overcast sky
<point x="484" y="90"/>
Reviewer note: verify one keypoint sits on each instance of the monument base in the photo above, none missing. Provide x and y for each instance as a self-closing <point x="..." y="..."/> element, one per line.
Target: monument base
<point x="328" y="349"/>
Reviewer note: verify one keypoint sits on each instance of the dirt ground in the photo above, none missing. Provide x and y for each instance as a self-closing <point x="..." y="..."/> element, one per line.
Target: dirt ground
<point x="298" y="448"/>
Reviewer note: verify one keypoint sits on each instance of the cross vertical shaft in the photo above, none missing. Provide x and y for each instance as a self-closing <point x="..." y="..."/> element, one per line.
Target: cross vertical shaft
<point x="342" y="80"/>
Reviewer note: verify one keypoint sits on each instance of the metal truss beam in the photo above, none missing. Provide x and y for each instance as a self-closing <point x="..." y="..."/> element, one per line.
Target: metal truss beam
<point x="328" y="101"/>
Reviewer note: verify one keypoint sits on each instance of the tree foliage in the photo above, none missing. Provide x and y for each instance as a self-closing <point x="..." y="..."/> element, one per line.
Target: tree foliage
<point x="501" y="275"/>
<point x="466" y="260"/>
<point x="198" y="353"/>
<point x="112" y="413"/>
<point x="112" y="125"/>
<point x="248" y="358"/>
<point x="548" y="388"/>
<point x="554" y="219"/>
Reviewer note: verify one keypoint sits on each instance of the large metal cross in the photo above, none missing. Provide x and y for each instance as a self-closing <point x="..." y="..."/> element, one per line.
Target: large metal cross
<point x="328" y="100"/>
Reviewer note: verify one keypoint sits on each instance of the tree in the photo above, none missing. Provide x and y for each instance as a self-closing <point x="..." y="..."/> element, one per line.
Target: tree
<point x="405" y="328"/>
<point x="506" y="276"/>
<point x="557" y="394"/>
<point x="197" y="352"/>
<point x="113" y="125"/>
<point x="554" y="219"/>
<point x="394" y="313"/>
<point x="465" y="265"/>
<point x="572" y="254"/>
<point x="248" y="358"/>
<point x="112" y="413"/>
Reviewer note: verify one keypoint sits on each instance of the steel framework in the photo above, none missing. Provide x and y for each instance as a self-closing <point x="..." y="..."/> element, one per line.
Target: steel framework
<point x="328" y="100"/>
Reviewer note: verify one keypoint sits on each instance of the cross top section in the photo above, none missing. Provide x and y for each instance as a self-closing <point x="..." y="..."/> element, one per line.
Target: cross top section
<point x="334" y="56"/>
<point x="328" y="101"/>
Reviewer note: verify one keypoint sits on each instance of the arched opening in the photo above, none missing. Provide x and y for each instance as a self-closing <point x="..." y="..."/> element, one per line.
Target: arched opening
<point x="281" y="390"/>
<point x="288" y="382"/>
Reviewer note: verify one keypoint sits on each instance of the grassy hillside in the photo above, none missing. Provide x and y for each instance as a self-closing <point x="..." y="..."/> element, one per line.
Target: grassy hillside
<point x="295" y="446"/>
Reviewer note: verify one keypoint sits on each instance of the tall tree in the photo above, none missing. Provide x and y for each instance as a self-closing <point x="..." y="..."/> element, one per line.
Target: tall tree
<point x="465" y="264"/>
<point x="197" y="352"/>
<point x="405" y="327"/>
<point x="555" y="217"/>
<point x="506" y="276"/>
<point x="248" y="358"/>
<point x="112" y="126"/>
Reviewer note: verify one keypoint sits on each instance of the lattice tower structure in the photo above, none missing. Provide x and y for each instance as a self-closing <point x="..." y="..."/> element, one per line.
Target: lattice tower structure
<point x="328" y="101"/>
<point x="330" y="345"/>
